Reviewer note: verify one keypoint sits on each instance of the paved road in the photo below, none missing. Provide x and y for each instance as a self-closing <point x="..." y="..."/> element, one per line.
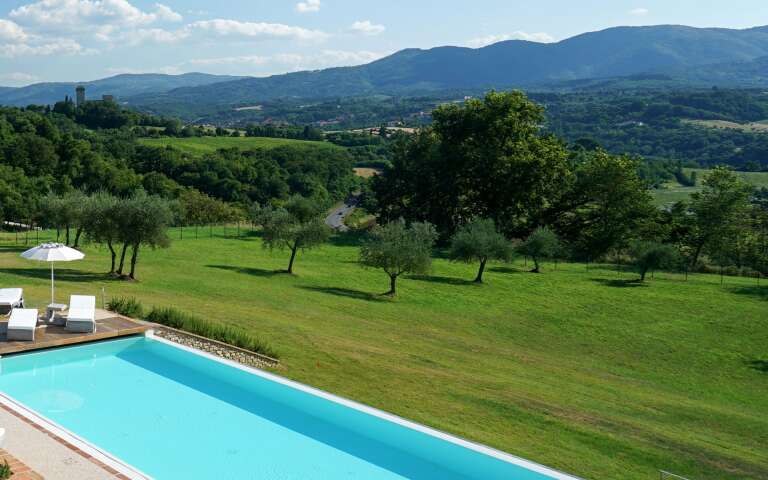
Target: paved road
<point x="335" y="219"/>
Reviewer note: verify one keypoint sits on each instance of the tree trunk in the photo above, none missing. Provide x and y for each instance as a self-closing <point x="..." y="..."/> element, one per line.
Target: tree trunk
<point x="122" y="259"/>
<point x="392" y="286"/>
<point x="134" y="257"/>
<point x="479" y="278"/>
<point x="67" y="237"/>
<point x="293" y="257"/>
<point x="696" y="255"/>
<point x="535" y="265"/>
<point x="642" y="274"/>
<point x="77" y="236"/>
<point x="114" y="256"/>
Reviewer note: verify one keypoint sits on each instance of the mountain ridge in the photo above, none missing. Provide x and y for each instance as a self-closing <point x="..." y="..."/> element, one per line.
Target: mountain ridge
<point x="682" y="53"/>
<point x="609" y="53"/>
<point x="121" y="86"/>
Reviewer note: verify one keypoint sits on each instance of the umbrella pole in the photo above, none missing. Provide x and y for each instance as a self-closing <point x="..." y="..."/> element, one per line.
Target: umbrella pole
<point x="52" y="291"/>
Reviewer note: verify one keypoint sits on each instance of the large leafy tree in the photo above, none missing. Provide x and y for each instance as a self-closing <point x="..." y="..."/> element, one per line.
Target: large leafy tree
<point x="718" y="213"/>
<point x="297" y="225"/>
<point x="478" y="242"/>
<point x="398" y="249"/>
<point x="487" y="158"/>
<point x="604" y="205"/>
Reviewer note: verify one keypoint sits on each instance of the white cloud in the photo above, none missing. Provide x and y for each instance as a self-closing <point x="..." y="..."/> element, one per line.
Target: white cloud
<point x="308" y="6"/>
<point x="539" y="37"/>
<point x="62" y="46"/>
<point x="10" y="31"/>
<point x="17" y="79"/>
<point x="639" y="12"/>
<point x="241" y="60"/>
<point x="281" y="62"/>
<point x="165" y="13"/>
<point x="77" y="15"/>
<point x="367" y="28"/>
<point x="170" y="70"/>
<point x="149" y="35"/>
<point x="256" y="30"/>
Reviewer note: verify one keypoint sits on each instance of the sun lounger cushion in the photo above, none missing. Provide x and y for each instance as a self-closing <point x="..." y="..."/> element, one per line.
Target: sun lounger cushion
<point x="82" y="314"/>
<point x="10" y="298"/>
<point x="22" y="324"/>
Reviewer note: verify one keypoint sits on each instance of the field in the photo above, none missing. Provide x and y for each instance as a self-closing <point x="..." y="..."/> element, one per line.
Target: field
<point x="203" y="145"/>
<point x="583" y="370"/>
<point x="674" y="192"/>
<point x="746" y="127"/>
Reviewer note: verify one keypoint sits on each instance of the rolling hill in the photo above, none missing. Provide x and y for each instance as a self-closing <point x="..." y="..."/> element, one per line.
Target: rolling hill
<point x="612" y="53"/>
<point x="120" y="86"/>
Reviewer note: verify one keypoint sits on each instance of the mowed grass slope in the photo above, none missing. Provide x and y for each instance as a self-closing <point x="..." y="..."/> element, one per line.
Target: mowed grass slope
<point x="202" y="145"/>
<point x="580" y="370"/>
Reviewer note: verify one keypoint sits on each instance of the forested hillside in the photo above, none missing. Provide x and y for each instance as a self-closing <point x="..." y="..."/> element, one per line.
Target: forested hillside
<point x="45" y="152"/>
<point x="654" y="124"/>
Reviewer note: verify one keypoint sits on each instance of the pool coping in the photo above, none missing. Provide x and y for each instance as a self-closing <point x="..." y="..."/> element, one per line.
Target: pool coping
<point x="468" y="444"/>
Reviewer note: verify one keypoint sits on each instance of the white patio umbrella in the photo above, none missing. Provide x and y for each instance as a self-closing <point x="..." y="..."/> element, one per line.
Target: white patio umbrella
<point x="53" y="252"/>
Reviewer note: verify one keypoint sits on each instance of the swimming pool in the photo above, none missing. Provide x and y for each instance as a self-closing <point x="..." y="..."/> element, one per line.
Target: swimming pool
<point x="174" y="413"/>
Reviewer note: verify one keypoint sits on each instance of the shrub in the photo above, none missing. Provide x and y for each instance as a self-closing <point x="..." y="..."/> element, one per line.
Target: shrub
<point x="5" y="471"/>
<point x="649" y="256"/>
<point x="170" y="317"/>
<point x="128" y="306"/>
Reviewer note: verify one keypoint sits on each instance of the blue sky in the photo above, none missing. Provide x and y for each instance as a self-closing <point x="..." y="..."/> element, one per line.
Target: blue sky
<point x="74" y="40"/>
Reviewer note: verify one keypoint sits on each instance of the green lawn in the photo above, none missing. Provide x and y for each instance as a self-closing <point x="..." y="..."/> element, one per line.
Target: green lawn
<point x="203" y="145"/>
<point x="673" y="192"/>
<point x="578" y="369"/>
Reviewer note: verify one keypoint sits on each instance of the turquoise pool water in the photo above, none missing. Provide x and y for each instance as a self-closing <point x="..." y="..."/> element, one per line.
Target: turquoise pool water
<point x="174" y="414"/>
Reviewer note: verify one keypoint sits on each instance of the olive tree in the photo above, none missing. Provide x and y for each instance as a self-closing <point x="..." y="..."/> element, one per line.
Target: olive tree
<point x="398" y="249"/>
<point x="100" y="222"/>
<point x="297" y="225"/>
<point x="480" y="241"/>
<point x="64" y="213"/>
<point x="540" y="245"/>
<point x="649" y="256"/>
<point x="142" y="220"/>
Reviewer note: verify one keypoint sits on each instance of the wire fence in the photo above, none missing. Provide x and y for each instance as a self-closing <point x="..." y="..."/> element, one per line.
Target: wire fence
<point x="18" y="234"/>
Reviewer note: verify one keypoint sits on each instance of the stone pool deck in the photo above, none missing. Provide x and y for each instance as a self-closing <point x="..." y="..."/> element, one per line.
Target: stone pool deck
<point x="45" y="455"/>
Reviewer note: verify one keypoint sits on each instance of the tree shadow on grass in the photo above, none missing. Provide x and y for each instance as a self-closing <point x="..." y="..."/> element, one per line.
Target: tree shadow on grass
<point x="14" y="249"/>
<point x="443" y="280"/>
<point x="753" y="291"/>
<point x="248" y="235"/>
<point x="256" y="272"/>
<point x="348" y="293"/>
<point x="507" y="270"/>
<point x="620" y="283"/>
<point x="64" y="274"/>
<point x="759" y="365"/>
<point x="347" y="239"/>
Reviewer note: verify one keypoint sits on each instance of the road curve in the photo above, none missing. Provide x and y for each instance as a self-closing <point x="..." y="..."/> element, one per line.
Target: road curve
<point x="335" y="218"/>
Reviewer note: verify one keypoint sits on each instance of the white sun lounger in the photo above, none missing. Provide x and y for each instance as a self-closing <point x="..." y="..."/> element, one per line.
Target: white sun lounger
<point x="82" y="314"/>
<point x="22" y="324"/>
<point x="11" y="298"/>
